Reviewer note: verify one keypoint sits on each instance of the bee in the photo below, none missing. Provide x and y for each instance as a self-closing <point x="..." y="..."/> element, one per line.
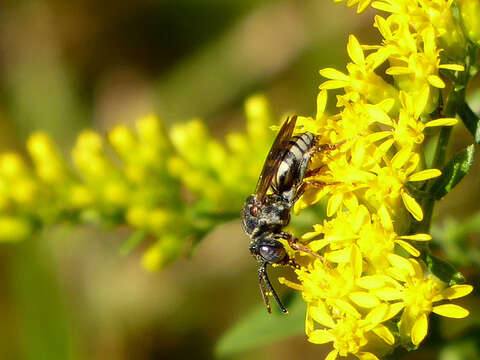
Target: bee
<point x="267" y="211"/>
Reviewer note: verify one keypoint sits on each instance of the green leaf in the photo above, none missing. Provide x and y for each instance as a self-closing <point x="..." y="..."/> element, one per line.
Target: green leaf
<point x="132" y="242"/>
<point x="444" y="270"/>
<point x="471" y="121"/>
<point x="453" y="172"/>
<point x="259" y="328"/>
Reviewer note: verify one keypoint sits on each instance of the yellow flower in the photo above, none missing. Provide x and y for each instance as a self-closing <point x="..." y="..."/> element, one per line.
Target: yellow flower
<point x="372" y="234"/>
<point x="418" y="292"/>
<point x="350" y="335"/>
<point x="417" y="68"/>
<point x="348" y="316"/>
<point x="361" y="81"/>
<point x="421" y="14"/>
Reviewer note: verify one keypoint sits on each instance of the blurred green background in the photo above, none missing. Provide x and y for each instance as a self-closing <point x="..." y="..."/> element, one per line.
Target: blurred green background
<point x="70" y="65"/>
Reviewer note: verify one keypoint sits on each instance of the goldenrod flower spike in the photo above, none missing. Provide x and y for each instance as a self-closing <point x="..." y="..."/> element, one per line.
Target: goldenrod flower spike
<point x="169" y="186"/>
<point x="373" y="179"/>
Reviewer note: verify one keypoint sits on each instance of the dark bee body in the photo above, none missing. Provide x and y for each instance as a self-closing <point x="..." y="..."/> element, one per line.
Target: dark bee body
<point x="267" y="212"/>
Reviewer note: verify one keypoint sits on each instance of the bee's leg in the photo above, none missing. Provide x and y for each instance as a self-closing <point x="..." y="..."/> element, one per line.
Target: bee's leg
<point x="313" y="172"/>
<point x="304" y="173"/>
<point x="292" y="241"/>
<point x="303" y="187"/>
<point x="324" y="147"/>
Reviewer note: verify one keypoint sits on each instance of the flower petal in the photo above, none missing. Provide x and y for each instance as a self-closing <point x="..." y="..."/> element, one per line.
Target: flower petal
<point x="347" y="307"/>
<point x="422" y="101"/>
<point x="317" y="245"/>
<point x="321" y="315"/>
<point x="454" y="67"/>
<point x="442" y="122"/>
<point x="385" y="218"/>
<point x="377" y="315"/>
<point x="379" y="115"/>
<point x="383" y="148"/>
<point x="451" y="311"/>
<point x="419" y="330"/>
<point x="339" y="256"/>
<point x="320" y="337"/>
<point x="350" y="201"/>
<point x="408" y="248"/>
<point x="290" y="284"/>
<point x="389" y="294"/>
<point x="456" y="291"/>
<point x="333" y="84"/>
<point x="363" y="355"/>
<point x="334" y="74"/>
<point x="416" y="237"/>
<point x="385" y="334"/>
<point x="398" y="70"/>
<point x="401" y="157"/>
<point x="334" y="203"/>
<point x="332" y="355"/>
<point x="379" y="135"/>
<point x="412" y="206"/>
<point x="355" y="50"/>
<point x="321" y="103"/>
<point x="401" y="263"/>
<point x="364" y="299"/>
<point x="371" y="282"/>
<point x="310" y="235"/>
<point x="394" y="309"/>
<point x="425" y="175"/>
<point x="381" y="5"/>
<point x="436" y="81"/>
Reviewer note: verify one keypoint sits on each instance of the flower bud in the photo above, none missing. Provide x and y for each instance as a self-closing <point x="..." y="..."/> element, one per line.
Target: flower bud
<point x="14" y="229"/>
<point x="162" y="253"/>
<point x="258" y="116"/>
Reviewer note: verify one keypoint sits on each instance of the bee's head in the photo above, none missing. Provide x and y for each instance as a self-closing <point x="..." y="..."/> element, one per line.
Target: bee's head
<point x="269" y="251"/>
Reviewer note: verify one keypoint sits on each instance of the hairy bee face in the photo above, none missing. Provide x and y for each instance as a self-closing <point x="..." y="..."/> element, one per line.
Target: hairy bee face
<point x="269" y="217"/>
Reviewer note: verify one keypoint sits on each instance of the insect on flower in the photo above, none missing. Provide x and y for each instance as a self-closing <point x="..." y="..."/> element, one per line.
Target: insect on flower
<point x="267" y="211"/>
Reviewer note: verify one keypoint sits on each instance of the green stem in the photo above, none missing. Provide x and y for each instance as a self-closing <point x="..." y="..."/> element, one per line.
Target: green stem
<point x="455" y="101"/>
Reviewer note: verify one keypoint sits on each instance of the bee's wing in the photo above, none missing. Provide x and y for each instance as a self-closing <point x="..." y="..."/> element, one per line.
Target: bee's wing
<point x="274" y="157"/>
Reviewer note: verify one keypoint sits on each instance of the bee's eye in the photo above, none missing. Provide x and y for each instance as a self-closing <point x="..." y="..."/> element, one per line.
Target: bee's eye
<point x="273" y="253"/>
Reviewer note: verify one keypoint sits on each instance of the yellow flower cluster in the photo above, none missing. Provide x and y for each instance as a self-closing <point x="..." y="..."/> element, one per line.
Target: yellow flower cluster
<point x="223" y="176"/>
<point x="371" y="290"/>
<point x="172" y="186"/>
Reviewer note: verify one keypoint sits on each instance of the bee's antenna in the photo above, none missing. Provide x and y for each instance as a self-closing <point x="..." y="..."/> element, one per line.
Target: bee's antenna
<point x="265" y="283"/>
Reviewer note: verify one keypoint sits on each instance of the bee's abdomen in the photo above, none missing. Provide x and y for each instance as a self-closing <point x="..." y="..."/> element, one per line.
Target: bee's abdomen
<point x="290" y="172"/>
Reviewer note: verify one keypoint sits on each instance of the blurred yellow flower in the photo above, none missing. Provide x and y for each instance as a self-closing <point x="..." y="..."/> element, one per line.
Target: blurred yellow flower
<point x="170" y="186"/>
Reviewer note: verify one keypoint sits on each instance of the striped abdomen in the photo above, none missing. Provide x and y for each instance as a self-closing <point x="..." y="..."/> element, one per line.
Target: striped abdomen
<point x="292" y="168"/>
